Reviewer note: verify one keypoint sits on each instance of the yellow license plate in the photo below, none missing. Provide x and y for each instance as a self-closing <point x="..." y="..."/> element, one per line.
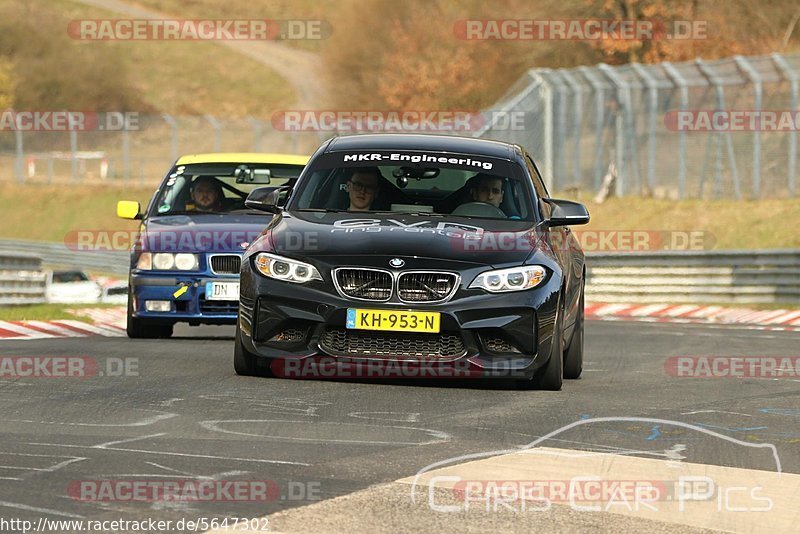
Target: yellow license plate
<point x="393" y="320"/>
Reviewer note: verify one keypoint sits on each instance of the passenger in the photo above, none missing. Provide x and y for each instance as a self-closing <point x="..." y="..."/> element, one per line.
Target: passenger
<point x="363" y="187"/>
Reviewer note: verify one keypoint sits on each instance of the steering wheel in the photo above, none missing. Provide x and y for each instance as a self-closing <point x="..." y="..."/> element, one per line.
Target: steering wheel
<point x="479" y="209"/>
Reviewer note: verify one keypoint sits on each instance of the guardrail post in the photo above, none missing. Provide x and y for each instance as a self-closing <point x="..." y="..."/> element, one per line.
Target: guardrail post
<point x="753" y="75"/>
<point x="794" y="84"/>
<point x="652" y="110"/>
<point x="577" y="113"/>
<point x="599" y="110"/>
<point x="173" y="125"/>
<point x="683" y="87"/>
<point x="217" y="127"/>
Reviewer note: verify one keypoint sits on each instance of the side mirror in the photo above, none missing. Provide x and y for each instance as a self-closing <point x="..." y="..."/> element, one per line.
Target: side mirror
<point x="265" y="199"/>
<point x="128" y="209"/>
<point x="566" y="212"/>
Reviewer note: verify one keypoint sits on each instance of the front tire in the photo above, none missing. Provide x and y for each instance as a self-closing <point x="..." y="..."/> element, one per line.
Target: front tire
<point x="139" y="329"/>
<point x="573" y="357"/>
<point x="551" y="375"/>
<point x="245" y="363"/>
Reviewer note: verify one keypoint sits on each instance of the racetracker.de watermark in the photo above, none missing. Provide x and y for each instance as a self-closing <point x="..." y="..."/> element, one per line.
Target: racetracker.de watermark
<point x="732" y="120"/>
<point x="410" y="120"/>
<point x="68" y="121"/>
<point x="586" y="240"/>
<point x="198" y="29"/>
<point x="173" y="240"/>
<point x="579" y="30"/>
<point x="192" y="490"/>
<point x="14" y="367"/>
<point x="381" y="367"/>
<point x="733" y="366"/>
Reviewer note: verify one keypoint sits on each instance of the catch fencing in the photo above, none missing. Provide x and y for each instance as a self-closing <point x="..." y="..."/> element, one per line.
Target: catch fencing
<point x="619" y="130"/>
<point x="599" y="126"/>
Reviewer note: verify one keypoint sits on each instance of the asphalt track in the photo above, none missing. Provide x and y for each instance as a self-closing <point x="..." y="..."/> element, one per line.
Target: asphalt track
<point x="180" y="413"/>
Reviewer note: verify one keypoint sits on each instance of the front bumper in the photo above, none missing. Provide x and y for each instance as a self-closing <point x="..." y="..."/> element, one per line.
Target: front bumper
<point x="191" y="306"/>
<point x="501" y="335"/>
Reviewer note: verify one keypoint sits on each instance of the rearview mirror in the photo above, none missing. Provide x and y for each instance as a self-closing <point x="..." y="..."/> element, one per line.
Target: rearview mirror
<point x="128" y="209"/>
<point x="566" y="212"/>
<point x="265" y="199"/>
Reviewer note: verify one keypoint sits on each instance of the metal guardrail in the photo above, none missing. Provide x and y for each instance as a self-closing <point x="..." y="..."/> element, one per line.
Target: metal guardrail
<point x="58" y="255"/>
<point x="22" y="280"/>
<point x="719" y="277"/>
<point x="739" y="276"/>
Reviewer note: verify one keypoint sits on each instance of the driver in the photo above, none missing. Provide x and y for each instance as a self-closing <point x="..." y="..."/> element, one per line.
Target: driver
<point x="207" y="194"/>
<point x="487" y="188"/>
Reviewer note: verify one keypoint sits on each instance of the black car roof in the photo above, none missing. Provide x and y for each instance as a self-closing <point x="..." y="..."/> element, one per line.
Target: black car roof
<point x="422" y="142"/>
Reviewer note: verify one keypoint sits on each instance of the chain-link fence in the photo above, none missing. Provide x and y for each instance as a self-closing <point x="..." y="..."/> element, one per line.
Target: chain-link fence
<point x="701" y="129"/>
<point x="690" y="130"/>
<point x="139" y="152"/>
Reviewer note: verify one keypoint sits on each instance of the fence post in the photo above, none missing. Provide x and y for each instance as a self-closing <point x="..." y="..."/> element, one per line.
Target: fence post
<point x="258" y="129"/>
<point x="19" y="162"/>
<point x="126" y="154"/>
<point x="680" y="82"/>
<point x="547" y="93"/>
<point x="623" y="109"/>
<point x="73" y="149"/>
<point x="215" y="124"/>
<point x="559" y="124"/>
<point x="714" y="80"/>
<point x="793" y="78"/>
<point x="536" y="80"/>
<point x="577" y="113"/>
<point x="599" y="103"/>
<point x="652" y="110"/>
<point x="173" y="125"/>
<point x="754" y="77"/>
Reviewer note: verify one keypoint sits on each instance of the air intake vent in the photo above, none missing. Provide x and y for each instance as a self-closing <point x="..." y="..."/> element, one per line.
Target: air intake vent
<point x="226" y="263"/>
<point x="426" y="286"/>
<point x="364" y="284"/>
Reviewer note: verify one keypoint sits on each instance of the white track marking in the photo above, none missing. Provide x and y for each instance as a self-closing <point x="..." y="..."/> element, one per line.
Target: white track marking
<point x="214" y="426"/>
<point x="19" y="506"/>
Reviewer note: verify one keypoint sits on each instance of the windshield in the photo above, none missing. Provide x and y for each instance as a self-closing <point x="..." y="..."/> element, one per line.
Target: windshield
<point x="218" y="188"/>
<point x="431" y="189"/>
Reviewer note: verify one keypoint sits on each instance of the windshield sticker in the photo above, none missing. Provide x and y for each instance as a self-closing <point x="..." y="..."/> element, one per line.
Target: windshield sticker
<point x="418" y="158"/>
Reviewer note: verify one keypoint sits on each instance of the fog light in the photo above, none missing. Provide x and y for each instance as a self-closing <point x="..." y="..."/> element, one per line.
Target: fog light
<point x="157" y="305"/>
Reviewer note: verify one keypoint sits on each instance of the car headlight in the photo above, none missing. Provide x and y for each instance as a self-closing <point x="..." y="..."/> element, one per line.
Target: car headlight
<point x="281" y="268"/>
<point x="165" y="261"/>
<point x="513" y="279"/>
<point x="145" y="261"/>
